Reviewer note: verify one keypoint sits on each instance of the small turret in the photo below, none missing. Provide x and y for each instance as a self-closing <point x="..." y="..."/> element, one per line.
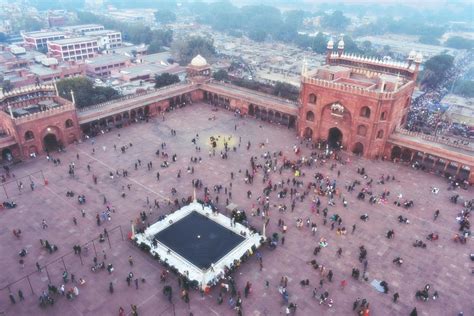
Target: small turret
<point x="340" y="47"/>
<point x="329" y="49"/>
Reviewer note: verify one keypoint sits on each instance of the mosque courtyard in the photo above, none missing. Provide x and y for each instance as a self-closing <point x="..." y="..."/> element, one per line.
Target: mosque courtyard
<point x="443" y="264"/>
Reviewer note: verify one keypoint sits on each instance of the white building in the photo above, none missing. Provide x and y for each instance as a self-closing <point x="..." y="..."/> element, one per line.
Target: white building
<point x="39" y="39"/>
<point x="107" y="39"/>
<point x="78" y="48"/>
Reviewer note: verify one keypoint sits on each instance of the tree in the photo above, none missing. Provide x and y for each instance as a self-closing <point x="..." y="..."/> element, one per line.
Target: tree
<point x="319" y="43"/>
<point x="135" y="33"/>
<point x="221" y="75"/>
<point x="286" y="90"/>
<point x="459" y="42"/>
<point x="85" y="94"/>
<point x="165" y="16"/>
<point x="187" y="49"/>
<point x="165" y="79"/>
<point x="436" y="68"/>
<point x="294" y="18"/>
<point x="335" y="21"/>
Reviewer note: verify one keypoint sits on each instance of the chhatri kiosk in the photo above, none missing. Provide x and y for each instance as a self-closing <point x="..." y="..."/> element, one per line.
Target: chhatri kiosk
<point x="199" y="243"/>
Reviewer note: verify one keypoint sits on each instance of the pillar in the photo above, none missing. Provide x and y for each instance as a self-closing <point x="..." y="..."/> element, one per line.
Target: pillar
<point x="446" y="166"/>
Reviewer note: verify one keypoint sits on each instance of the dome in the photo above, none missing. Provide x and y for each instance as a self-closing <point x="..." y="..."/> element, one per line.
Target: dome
<point x="330" y="44"/>
<point x="419" y="58"/>
<point x="412" y="55"/>
<point x="198" y="61"/>
<point x="340" y="45"/>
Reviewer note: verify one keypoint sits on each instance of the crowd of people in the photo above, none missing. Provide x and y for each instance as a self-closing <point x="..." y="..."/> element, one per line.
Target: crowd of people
<point x="290" y="181"/>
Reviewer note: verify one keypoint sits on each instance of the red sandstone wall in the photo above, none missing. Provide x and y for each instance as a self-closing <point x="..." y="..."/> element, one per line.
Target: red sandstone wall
<point x="39" y="127"/>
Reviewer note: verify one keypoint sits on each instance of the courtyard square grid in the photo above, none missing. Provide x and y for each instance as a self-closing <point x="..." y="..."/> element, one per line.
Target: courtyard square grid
<point x="445" y="265"/>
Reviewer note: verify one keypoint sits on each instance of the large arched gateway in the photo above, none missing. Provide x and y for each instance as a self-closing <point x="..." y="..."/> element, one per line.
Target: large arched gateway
<point x="334" y="137"/>
<point x="50" y="142"/>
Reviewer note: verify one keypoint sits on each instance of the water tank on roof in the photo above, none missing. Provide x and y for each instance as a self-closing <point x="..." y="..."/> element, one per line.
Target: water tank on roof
<point x="17" y="50"/>
<point x="49" y="61"/>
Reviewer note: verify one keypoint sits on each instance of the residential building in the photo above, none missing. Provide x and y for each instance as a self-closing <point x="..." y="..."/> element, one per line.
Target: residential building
<point x="107" y="39"/>
<point x="83" y="28"/>
<point x="103" y="65"/>
<point x="39" y="40"/>
<point x="78" y="48"/>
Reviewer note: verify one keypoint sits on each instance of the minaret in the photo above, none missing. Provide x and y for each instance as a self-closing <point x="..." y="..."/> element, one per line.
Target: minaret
<point x="340" y="47"/>
<point x="418" y="61"/>
<point x="411" y="58"/>
<point x="56" y="88"/>
<point x="329" y="49"/>
<point x="10" y="110"/>
<point x="304" y="67"/>
<point x="73" y="98"/>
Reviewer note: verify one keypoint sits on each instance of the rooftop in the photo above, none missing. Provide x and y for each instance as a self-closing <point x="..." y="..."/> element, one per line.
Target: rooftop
<point x="73" y="40"/>
<point x="82" y="26"/>
<point x="101" y="32"/>
<point x="106" y="59"/>
<point x="41" y="34"/>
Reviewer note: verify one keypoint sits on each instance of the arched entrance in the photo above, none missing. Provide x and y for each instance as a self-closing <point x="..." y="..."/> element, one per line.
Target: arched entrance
<point x="50" y="142"/>
<point x="406" y="155"/>
<point x="335" y="137"/>
<point x="251" y="110"/>
<point x="358" y="149"/>
<point x="7" y="154"/>
<point x="396" y="153"/>
<point x="308" y="133"/>
<point x="291" y="122"/>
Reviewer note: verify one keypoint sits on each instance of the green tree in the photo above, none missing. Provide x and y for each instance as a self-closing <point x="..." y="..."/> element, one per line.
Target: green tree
<point x="221" y="75"/>
<point x="459" y="42"/>
<point x="165" y="16"/>
<point x="336" y="21"/>
<point x="294" y="18"/>
<point x="135" y="33"/>
<point x="319" y="43"/>
<point x="286" y="91"/>
<point x="85" y="94"/>
<point x="165" y="79"/>
<point x="187" y="49"/>
<point x="436" y="68"/>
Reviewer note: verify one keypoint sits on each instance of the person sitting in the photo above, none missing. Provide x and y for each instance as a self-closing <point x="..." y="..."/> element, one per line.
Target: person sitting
<point x="110" y="268"/>
<point x="17" y="233"/>
<point x="23" y="252"/>
<point x="390" y="234"/>
<point x="398" y="261"/>
<point x="432" y="237"/>
<point x="364" y="217"/>
<point x="82" y="281"/>
<point x="385" y="286"/>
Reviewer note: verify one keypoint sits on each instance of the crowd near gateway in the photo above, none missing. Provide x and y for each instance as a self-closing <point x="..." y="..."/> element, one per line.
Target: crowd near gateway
<point x="157" y="162"/>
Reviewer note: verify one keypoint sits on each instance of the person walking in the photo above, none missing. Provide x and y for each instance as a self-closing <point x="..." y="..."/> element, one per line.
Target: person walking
<point x="395" y="297"/>
<point x="134" y="309"/>
<point x="130" y="260"/>
<point x="20" y="295"/>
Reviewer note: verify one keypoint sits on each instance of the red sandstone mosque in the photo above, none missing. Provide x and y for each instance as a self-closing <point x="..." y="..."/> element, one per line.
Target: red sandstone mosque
<point x="354" y="103"/>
